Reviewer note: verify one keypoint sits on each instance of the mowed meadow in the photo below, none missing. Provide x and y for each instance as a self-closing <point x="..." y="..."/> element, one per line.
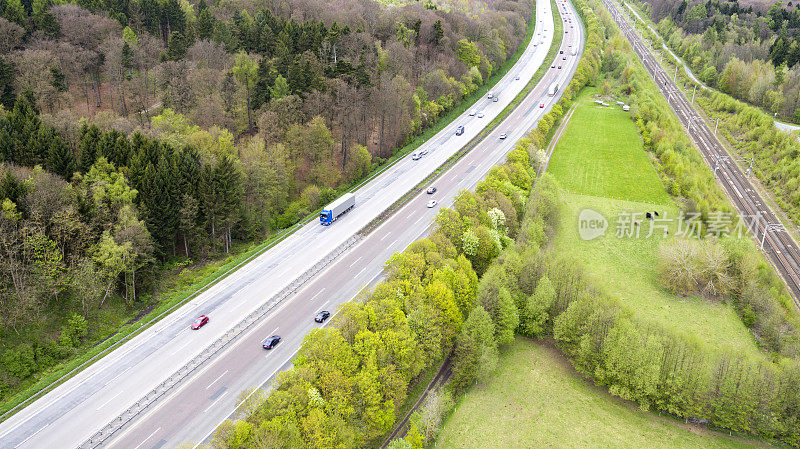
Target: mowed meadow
<point x="601" y="164"/>
<point x="537" y="400"/>
<point x="601" y="154"/>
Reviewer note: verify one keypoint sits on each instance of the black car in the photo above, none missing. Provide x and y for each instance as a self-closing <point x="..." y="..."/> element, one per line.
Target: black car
<point x="431" y="190"/>
<point x="271" y="342"/>
<point x="561" y="52"/>
<point x="322" y="316"/>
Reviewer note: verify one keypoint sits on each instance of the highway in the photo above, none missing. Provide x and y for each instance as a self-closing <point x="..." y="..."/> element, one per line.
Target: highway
<point x="171" y="385"/>
<point x="778" y="246"/>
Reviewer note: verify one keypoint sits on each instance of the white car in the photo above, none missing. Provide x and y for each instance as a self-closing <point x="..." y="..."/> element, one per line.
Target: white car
<point x="431" y="203"/>
<point x="503" y="136"/>
<point x="480" y="114"/>
<point x="472" y="113"/>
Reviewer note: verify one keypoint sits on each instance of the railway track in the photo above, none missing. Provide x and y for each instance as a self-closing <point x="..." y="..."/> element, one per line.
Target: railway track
<point x="777" y="245"/>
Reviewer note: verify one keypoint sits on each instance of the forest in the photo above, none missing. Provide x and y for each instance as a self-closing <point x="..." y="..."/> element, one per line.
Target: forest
<point x="139" y="138"/>
<point x="750" y="54"/>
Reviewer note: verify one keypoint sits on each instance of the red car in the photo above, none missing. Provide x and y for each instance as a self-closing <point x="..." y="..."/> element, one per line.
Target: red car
<point x="541" y="105"/>
<point x="199" y="322"/>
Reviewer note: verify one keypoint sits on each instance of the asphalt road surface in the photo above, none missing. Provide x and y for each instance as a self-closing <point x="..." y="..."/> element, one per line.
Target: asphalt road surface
<point x="75" y="411"/>
<point x="779" y="248"/>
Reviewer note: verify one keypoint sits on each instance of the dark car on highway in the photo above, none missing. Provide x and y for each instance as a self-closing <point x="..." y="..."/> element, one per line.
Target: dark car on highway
<point x="322" y="316"/>
<point x="199" y="322"/>
<point x="271" y="342"/>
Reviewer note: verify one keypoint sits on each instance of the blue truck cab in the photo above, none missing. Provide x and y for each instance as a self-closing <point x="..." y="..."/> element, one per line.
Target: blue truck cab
<point x="336" y="209"/>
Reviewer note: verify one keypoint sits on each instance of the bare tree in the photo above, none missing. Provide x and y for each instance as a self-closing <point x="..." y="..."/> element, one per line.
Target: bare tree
<point x="173" y="79"/>
<point x="35" y="75"/>
<point x="86" y="30"/>
<point x="210" y="55"/>
<point x="10" y="35"/>
<point x="114" y="69"/>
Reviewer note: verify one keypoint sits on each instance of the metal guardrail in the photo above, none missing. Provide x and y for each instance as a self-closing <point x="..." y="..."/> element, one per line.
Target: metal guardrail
<point x="118" y="423"/>
<point x="183" y="372"/>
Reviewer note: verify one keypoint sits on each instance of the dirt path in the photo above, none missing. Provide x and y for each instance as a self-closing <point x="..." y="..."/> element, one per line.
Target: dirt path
<point x="444" y="373"/>
<point x="559" y="132"/>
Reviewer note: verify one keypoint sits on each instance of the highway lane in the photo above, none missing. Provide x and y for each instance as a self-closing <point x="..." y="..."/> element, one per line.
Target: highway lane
<point x="67" y="415"/>
<point x="76" y="409"/>
<point x="780" y="249"/>
<point x="210" y="397"/>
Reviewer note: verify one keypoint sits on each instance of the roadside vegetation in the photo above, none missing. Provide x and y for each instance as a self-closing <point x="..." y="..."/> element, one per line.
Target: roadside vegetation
<point x="143" y="142"/>
<point x="349" y="379"/>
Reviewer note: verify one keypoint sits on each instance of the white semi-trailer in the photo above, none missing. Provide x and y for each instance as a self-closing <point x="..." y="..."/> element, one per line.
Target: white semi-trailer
<point x="553" y="89"/>
<point x="337" y="208"/>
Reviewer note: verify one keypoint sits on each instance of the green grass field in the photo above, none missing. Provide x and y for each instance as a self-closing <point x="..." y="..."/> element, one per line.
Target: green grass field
<point x="599" y="160"/>
<point x="625" y="268"/>
<point x="537" y="400"/>
<point x="601" y="154"/>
